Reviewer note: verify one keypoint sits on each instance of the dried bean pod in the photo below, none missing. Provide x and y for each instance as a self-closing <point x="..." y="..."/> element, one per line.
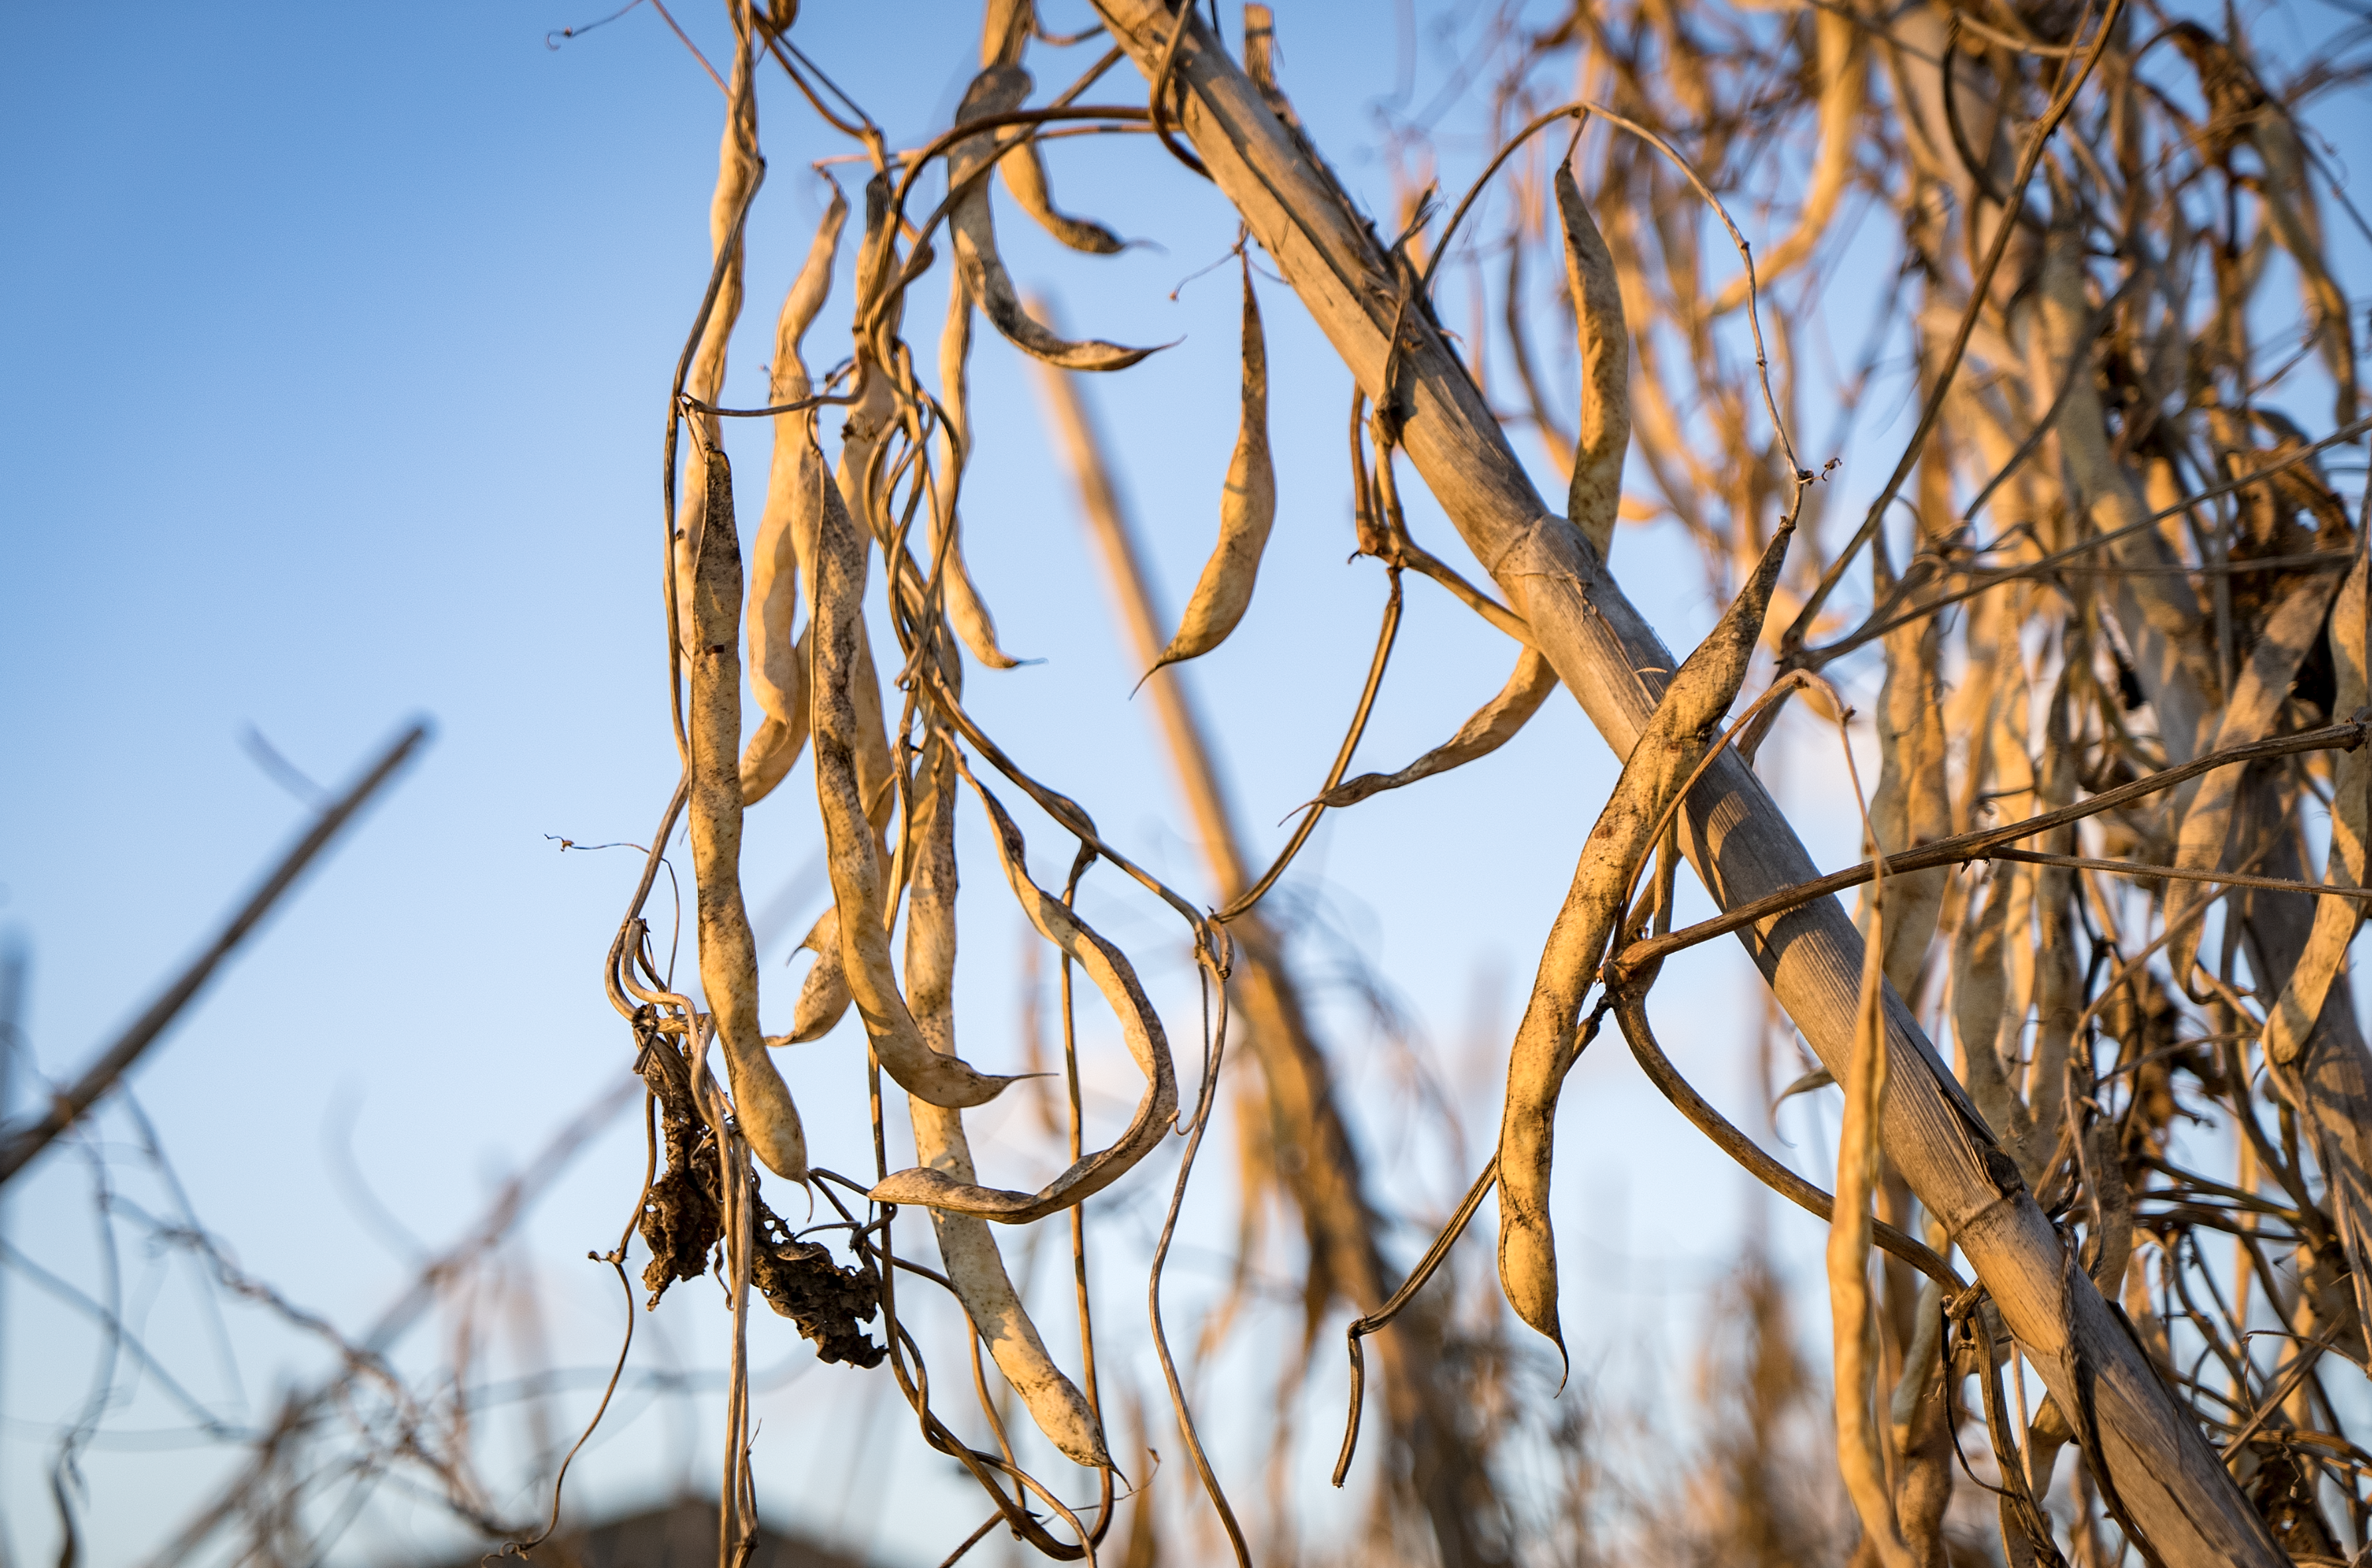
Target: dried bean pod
<point x="794" y="503"/>
<point x="1912" y="805"/>
<point x="2292" y="1021"/>
<point x="1246" y="510"/>
<point x="739" y="171"/>
<point x="1003" y="34"/>
<point x="854" y="859"/>
<point x="1140" y="1028"/>
<point x="729" y="955"/>
<point x="972" y="621"/>
<point x="1859" y="1460"/>
<point x="1546" y="1043"/>
<point x="966" y="1245"/>
<point x="1494" y="725"/>
<point x="2205" y="805"/>
<point x="865" y="422"/>
<point x="973" y="229"/>
<point x="2158" y="614"/>
<point x="824" y="996"/>
<point x="1595" y="497"/>
<point x="1025" y="175"/>
<point x="1980" y="989"/>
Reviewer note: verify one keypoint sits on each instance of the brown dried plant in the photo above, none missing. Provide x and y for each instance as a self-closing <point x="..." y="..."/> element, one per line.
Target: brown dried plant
<point x="2117" y="636"/>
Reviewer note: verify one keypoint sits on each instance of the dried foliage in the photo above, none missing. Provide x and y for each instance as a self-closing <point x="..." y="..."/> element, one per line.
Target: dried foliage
<point x="2128" y="594"/>
<point x="2111" y="601"/>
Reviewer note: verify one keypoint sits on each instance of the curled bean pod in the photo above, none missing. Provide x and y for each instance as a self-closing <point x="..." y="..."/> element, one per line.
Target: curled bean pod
<point x="854" y="857"/>
<point x="1547" y="1044"/>
<point x="1024" y="170"/>
<point x="1003" y="34"/>
<point x="966" y="1245"/>
<point x="1246" y="510"/>
<point x="1140" y="1028"/>
<point x="729" y="955"/>
<point x="1494" y="725"/>
<point x="994" y="91"/>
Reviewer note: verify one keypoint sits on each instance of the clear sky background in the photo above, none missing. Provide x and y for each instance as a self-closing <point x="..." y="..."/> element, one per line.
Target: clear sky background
<point x="337" y="343"/>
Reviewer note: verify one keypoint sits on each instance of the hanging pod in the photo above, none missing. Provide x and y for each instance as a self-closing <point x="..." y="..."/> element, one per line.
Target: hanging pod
<point x="1547" y="1044"/>
<point x="1494" y="725"/>
<point x="962" y="601"/>
<point x="1594" y="498"/>
<point x="854" y="859"/>
<point x="795" y="485"/>
<point x="966" y="1245"/>
<point x="729" y="955"/>
<point x="1108" y="968"/>
<point x="1247" y="509"/>
<point x="997" y="91"/>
